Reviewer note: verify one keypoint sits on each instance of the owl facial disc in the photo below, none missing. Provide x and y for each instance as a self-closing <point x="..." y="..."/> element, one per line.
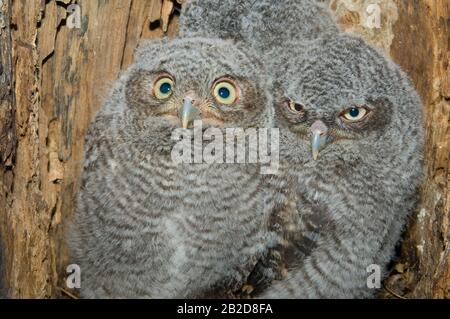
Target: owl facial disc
<point x="188" y="112"/>
<point x="318" y="137"/>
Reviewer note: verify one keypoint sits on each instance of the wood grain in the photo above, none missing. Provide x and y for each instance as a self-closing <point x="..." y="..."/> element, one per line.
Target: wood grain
<point x="61" y="75"/>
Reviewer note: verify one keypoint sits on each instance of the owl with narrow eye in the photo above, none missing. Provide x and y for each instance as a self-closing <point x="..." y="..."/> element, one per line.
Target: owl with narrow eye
<point x="146" y="226"/>
<point x="350" y="150"/>
<point x="351" y="162"/>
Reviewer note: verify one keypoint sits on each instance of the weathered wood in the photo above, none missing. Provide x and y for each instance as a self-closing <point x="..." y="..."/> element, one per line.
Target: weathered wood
<point x="422" y="48"/>
<point x="7" y="132"/>
<point x="62" y="75"/>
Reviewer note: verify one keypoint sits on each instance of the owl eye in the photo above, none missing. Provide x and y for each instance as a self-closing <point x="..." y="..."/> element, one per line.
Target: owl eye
<point x="163" y="87"/>
<point x="225" y="91"/>
<point x="294" y="107"/>
<point x="355" y="114"/>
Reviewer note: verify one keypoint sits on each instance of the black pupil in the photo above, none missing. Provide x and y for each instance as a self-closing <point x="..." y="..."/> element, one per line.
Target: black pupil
<point x="298" y="107"/>
<point x="165" y="88"/>
<point x="354" y="112"/>
<point x="224" y="93"/>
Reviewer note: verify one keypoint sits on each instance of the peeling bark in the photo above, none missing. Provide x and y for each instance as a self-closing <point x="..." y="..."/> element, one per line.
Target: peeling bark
<point x="62" y="75"/>
<point x="422" y="48"/>
<point x="7" y="133"/>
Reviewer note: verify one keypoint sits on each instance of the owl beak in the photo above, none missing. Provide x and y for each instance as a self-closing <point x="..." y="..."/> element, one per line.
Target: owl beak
<point x="318" y="137"/>
<point x="188" y="112"/>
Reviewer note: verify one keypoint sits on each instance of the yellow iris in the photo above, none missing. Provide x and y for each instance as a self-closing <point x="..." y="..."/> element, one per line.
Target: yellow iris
<point x="163" y="88"/>
<point x="225" y="92"/>
<point x="355" y="114"/>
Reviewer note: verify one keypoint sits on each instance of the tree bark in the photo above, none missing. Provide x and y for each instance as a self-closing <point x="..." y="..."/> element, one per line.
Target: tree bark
<point x="61" y="75"/>
<point x="53" y="78"/>
<point x="7" y="133"/>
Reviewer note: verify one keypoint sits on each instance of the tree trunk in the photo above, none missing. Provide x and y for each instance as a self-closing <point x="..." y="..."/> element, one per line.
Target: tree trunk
<point x="51" y="83"/>
<point x="54" y="75"/>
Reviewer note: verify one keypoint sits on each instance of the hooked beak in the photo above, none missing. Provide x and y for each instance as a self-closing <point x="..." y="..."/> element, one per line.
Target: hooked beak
<point x="318" y="137"/>
<point x="187" y="113"/>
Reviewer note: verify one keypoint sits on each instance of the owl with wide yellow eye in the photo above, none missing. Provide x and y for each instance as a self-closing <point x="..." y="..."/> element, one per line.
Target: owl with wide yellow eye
<point x="146" y="226"/>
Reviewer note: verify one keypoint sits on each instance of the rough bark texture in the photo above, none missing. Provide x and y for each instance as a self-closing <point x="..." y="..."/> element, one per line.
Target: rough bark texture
<point x="53" y="79"/>
<point x="7" y="133"/>
<point x="61" y="75"/>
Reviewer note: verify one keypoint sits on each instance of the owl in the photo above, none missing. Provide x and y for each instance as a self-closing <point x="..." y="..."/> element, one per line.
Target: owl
<point x="351" y="146"/>
<point x="146" y="226"/>
<point x="351" y="153"/>
<point x="263" y="25"/>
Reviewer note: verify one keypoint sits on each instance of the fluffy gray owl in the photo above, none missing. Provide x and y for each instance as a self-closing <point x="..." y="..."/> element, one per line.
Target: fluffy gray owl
<point x="146" y="226"/>
<point x="351" y="158"/>
<point x="351" y="146"/>
<point x="261" y="24"/>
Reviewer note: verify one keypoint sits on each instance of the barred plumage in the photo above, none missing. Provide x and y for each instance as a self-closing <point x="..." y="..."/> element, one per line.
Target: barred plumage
<point x="354" y="200"/>
<point x="344" y="211"/>
<point x="145" y="226"/>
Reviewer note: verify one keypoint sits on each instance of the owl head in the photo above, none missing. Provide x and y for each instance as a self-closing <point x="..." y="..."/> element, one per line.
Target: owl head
<point x="176" y="82"/>
<point x="217" y="18"/>
<point x="341" y="99"/>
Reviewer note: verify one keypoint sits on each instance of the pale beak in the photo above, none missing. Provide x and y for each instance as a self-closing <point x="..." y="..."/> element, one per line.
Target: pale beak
<point x="188" y="113"/>
<point x="318" y="137"/>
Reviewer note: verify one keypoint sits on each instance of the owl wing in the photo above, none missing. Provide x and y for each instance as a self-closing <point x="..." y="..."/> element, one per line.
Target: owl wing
<point x="297" y="226"/>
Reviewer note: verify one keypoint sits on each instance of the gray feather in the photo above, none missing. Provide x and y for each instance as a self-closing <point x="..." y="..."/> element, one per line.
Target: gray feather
<point x="145" y="227"/>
